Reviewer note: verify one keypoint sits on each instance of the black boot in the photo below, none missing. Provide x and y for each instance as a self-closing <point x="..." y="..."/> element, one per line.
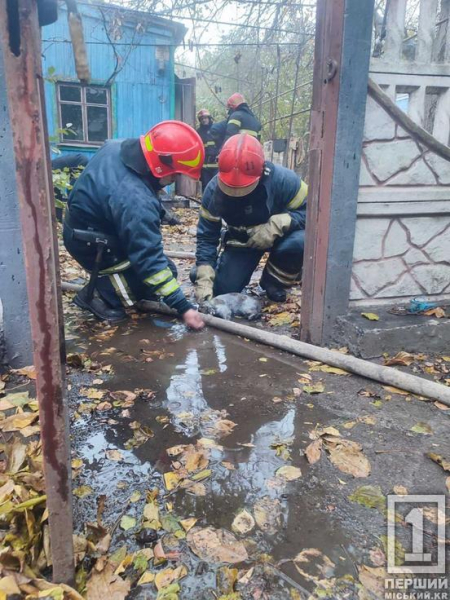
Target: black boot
<point x="99" y="307"/>
<point x="274" y="291"/>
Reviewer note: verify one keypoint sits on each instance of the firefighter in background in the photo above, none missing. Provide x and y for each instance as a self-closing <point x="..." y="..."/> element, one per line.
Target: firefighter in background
<point x="115" y="203"/>
<point x="241" y="118"/>
<point x="264" y="208"/>
<point x="210" y="165"/>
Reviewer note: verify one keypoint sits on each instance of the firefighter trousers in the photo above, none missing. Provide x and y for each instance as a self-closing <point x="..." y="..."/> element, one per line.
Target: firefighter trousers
<point x="118" y="284"/>
<point x="283" y="269"/>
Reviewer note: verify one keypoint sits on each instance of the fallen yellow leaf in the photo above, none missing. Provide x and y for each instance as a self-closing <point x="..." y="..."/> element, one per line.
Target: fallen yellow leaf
<point x="370" y="316"/>
<point x="188" y="524"/>
<point x="313" y="452"/>
<point x="18" y="421"/>
<point x="147" y="577"/>
<point x="243" y="523"/>
<point x="289" y="473"/>
<point x="29" y="372"/>
<point x="83" y="491"/>
<point x="171" y="480"/>
<point x="394" y="390"/>
<point x="114" y="455"/>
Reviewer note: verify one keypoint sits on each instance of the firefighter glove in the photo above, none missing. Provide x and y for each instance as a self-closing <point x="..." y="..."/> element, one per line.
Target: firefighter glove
<point x="204" y="283"/>
<point x="262" y="237"/>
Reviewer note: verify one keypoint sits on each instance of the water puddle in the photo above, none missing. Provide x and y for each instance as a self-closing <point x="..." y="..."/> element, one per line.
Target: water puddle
<point x="199" y="382"/>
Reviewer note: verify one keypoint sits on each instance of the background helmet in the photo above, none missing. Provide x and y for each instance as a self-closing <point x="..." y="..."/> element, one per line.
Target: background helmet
<point x="241" y="164"/>
<point x="173" y="147"/>
<point x="204" y="112"/>
<point x="235" y="100"/>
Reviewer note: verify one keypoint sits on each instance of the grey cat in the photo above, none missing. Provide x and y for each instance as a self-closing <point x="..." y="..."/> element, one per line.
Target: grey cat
<point x="227" y="306"/>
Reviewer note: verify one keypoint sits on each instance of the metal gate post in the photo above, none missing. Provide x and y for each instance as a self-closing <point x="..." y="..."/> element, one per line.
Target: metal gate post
<point x="21" y="49"/>
<point x="342" y="54"/>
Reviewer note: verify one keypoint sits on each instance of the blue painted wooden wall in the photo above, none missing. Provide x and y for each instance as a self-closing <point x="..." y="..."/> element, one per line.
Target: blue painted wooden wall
<point x="141" y="95"/>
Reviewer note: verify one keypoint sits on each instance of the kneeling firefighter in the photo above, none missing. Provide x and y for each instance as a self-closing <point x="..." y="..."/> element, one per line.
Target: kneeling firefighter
<point x="112" y="225"/>
<point x="264" y="208"/>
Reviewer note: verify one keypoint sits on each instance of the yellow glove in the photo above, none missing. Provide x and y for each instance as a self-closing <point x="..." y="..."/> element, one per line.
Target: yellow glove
<point x="204" y="283"/>
<point x="262" y="237"/>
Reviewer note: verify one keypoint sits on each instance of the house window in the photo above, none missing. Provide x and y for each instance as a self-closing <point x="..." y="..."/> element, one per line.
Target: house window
<point x="86" y="112"/>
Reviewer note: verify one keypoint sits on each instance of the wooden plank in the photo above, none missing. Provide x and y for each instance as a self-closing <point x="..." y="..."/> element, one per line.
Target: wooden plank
<point x="329" y="25"/>
<point x="343" y="36"/>
<point x="395" y="30"/>
<point x="23" y="78"/>
<point x="427" y="30"/>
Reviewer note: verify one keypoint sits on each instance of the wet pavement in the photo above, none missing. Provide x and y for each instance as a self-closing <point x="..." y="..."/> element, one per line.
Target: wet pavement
<point x="185" y="384"/>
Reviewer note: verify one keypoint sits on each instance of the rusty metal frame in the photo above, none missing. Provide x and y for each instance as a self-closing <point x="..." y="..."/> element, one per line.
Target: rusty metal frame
<point x="24" y="84"/>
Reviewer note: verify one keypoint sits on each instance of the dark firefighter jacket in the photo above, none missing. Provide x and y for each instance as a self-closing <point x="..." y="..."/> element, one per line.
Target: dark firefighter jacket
<point x="117" y="195"/>
<point x="280" y="190"/>
<point x="210" y="144"/>
<point x="218" y="131"/>
<point x="242" y="120"/>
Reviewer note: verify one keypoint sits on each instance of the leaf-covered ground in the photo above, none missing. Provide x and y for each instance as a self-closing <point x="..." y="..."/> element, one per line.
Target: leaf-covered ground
<point x="205" y="466"/>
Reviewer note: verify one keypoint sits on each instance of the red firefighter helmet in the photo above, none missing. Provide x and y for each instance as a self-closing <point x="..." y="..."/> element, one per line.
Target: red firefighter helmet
<point x="235" y="100"/>
<point x="241" y="164"/>
<point x="204" y="112"/>
<point x="173" y="147"/>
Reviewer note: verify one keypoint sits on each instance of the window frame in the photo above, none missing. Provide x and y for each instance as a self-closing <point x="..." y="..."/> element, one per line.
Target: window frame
<point x="84" y="113"/>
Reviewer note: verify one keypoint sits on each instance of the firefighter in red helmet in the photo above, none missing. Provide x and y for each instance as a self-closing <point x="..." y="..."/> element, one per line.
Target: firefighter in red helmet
<point x="210" y="165"/>
<point x="241" y="118"/>
<point x="114" y="213"/>
<point x="263" y="207"/>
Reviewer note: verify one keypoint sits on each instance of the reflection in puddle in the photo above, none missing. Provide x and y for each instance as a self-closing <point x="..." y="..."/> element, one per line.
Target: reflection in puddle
<point x="201" y="380"/>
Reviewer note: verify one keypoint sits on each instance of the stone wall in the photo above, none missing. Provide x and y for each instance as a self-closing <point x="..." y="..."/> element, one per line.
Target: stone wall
<point x="402" y="244"/>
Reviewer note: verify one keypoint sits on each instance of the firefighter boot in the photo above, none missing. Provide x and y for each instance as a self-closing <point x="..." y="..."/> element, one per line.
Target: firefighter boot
<point x="274" y="291"/>
<point x="99" y="307"/>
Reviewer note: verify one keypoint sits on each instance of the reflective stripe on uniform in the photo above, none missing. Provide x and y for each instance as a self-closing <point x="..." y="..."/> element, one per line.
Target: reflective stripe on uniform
<point x="123" y="266"/>
<point x="209" y="144"/>
<point x="208" y="216"/>
<point x="250" y="132"/>
<point x="282" y="276"/>
<point x="210" y="166"/>
<point x="159" y="278"/>
<point x="123" y="291"/>
<point x="168" y="288"/>
<point x="299" y="198"/>
<point x="234" y="122"/>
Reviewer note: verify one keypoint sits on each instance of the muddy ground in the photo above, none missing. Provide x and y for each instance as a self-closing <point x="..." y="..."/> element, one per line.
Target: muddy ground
<point x="185" y="383"/>
<point x="258" y="410"/>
